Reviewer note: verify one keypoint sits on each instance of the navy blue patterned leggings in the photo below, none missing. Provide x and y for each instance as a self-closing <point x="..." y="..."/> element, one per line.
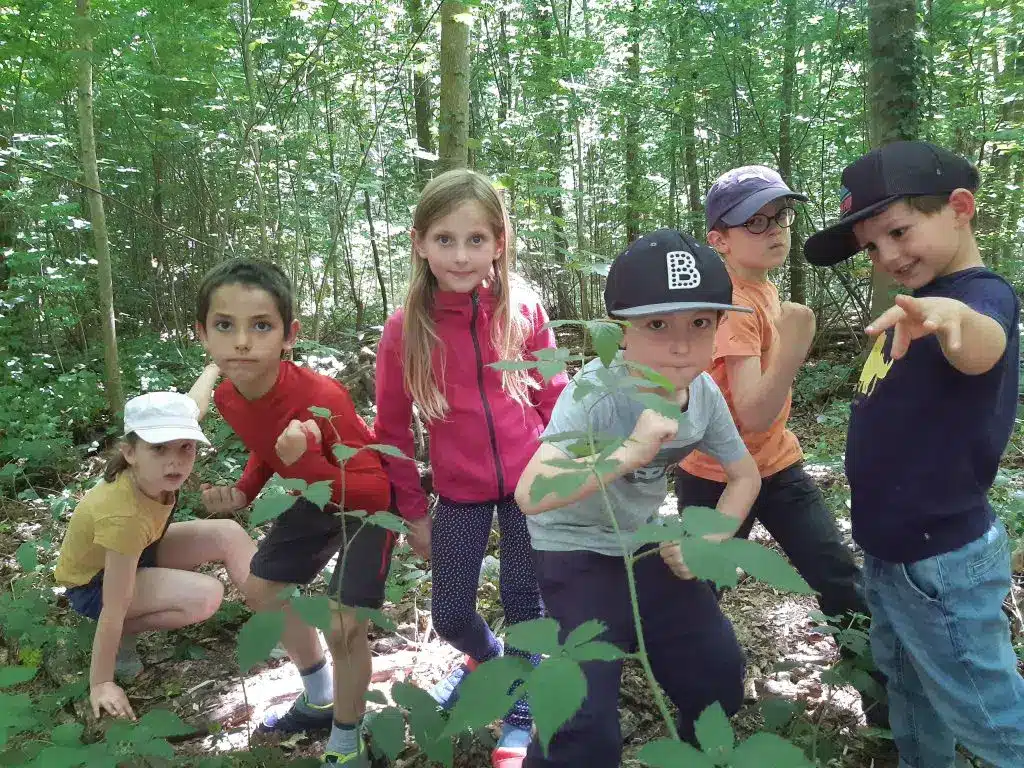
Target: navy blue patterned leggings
<point x="458" y="545"/>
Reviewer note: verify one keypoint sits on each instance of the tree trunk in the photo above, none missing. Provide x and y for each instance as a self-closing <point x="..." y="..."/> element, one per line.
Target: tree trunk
<point x="453" y="122"/>
<point x="376" y="253"/>
<point x="892" y="95"/>
<point x="632" y="130"/>
<point x="112" y="379"/>
<point x="421" y="96"/>
<point x="255" y="149"/>
<point x="797" y="290"/>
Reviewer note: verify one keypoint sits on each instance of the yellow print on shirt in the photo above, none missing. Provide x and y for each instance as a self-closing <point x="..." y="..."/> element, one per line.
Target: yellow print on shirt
<point x="875" y="367"/>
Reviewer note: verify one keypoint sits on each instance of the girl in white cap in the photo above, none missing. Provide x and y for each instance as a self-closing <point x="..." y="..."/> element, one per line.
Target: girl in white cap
<point x="126" y="565"/>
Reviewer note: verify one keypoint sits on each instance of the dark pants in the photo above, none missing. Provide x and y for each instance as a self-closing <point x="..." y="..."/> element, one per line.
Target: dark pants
<point x="457" y="547"/>
<point x="691" y="646"/>
<point x="791" y="507"/>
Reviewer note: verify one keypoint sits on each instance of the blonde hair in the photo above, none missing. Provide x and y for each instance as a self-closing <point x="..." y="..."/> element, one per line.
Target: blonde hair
<point x="509" y="329"/>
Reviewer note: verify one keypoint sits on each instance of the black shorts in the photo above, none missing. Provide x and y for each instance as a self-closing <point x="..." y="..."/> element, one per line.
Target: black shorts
<point x="303" y="540"/>
<point x="87" y="599"/>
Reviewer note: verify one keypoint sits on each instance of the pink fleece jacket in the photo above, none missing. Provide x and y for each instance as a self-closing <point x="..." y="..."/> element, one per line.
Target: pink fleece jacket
<point x="481" y="447"/>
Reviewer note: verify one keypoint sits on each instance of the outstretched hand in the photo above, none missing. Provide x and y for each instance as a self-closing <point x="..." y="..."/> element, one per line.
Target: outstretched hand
<point x="111" y="699"/>
<point x="913" y="318"/>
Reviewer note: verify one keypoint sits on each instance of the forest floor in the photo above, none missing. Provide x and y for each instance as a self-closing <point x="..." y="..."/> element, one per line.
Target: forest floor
<point x="194" y="672"/>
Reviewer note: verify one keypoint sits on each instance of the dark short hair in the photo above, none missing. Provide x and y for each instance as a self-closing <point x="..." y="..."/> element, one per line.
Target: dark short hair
<point x="254" y="274"/>
<point x="929" y="205"/>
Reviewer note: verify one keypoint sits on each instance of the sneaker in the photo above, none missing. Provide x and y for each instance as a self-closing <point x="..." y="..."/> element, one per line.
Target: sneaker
<point x="356" y="759"/>
<point x="128" y="665"/>
<point x="446" y="692"/>
<point x="511" y="748"/>
<point x="300" y="717"/>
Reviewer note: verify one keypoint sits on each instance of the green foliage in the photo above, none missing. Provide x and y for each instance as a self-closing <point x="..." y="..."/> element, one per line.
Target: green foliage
<point x="258" y="637"/>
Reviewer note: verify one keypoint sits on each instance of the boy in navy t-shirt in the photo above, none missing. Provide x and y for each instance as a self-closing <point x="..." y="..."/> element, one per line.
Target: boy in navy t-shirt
<point x="932" y="415"/>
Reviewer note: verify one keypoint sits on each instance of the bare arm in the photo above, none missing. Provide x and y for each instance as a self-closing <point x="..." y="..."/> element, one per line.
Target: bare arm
<point x="202" y="390"/>
<point x="743" y="485"/>
<point x="118" y="589"/>
<point x="651" y="431"/>
<point x="759" y="397"/>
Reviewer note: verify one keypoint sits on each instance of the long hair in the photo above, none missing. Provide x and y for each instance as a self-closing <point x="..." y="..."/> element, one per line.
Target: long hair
<point x="116" y="462"/>
<point x="509" y="329"/>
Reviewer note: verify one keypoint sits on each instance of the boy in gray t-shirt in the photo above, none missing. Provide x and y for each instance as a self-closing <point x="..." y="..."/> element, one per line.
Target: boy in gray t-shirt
<point x="673" y="291"/>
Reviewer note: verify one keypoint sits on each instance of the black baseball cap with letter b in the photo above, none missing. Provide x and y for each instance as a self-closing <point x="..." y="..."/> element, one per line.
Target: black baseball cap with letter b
<point x="664" y="272"/>
<point x="878" y="179"/>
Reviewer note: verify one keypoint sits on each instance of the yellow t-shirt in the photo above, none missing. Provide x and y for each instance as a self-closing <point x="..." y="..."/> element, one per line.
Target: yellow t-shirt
<point x="742" y="334"/>
<point x="114" y="516"/>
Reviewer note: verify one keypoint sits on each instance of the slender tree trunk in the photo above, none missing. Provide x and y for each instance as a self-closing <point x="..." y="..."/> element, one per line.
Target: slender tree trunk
<point x="453" y="122"/>
<point x="376" y="254"/>
<point x="112" y="378"/>
<point x="797" y="291"/>
<point x="893" y="95"/>
<point x="255" y="149"/>
<point x="632" y="130"/>
<point x="421" y="96"/>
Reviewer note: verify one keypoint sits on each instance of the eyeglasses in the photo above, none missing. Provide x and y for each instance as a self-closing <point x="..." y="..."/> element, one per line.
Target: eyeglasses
<point x="760" y="222"/>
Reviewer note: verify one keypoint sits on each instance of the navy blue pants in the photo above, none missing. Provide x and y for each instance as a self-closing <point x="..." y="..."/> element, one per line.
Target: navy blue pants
<point x="691" y="646"/>
<point x="457" y="548"/>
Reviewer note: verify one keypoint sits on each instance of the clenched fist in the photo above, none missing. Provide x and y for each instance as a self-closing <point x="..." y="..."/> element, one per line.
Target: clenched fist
<point x="652" y="431"/>
<point x="796" y="328"/>
<point x="222" y="499"/>
<point x="294" y="440"/>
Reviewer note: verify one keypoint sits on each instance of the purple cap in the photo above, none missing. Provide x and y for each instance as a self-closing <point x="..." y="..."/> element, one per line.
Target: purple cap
<point x="740" y="193"/>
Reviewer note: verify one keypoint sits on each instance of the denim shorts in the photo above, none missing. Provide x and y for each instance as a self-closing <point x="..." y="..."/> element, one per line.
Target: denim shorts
<point x="87" y="599"/>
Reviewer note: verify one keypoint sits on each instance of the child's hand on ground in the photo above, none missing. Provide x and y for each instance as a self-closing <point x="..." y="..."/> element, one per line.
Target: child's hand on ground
<point x="222" y="499"/>
<point x="109" y="698"/>
<point x="294" y="440"/>
<point x="419" y="536"/>
<point x="796" y="328"/>
<point x="673" y="557"/>
<point x="913" y="318"/>
<point x="652" y="431"/>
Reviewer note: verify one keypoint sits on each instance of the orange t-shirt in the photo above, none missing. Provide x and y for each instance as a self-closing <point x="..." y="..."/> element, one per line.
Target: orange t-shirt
<point x="750" y="335"/>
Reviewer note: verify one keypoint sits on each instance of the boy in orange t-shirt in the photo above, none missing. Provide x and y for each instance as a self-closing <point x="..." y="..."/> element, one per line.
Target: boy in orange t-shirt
<point x="756" y="358"/>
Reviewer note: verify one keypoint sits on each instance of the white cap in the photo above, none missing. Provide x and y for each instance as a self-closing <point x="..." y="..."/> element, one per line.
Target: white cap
<point x="160" y="417"/>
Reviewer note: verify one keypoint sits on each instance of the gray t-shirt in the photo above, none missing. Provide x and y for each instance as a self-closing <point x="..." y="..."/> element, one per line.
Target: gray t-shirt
<point x="606" y="406"/>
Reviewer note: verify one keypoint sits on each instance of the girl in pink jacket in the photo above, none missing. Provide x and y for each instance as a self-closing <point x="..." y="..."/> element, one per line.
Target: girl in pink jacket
<point x="464" y="311"/>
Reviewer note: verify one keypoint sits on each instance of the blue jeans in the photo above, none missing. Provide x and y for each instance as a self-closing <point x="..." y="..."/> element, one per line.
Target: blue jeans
<point x="939" y="633"/>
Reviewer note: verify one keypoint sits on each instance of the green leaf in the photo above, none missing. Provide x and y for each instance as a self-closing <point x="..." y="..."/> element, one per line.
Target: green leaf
<point x="27" y="556"/>
<point x="599" y="650"/>
<point x="777" y="712"/>
<point x="163" y="723"/>
<point x="585" y="632"/>
<point x="154" y="747"/>
<point x="669" y="753"/>
<point x="16" y="675"/>
<point x="387" y="727"/>
<point x="270" y="507"/>
<point x="387" y="450"/>
<point x="376" y="616"/>
<point x="343" y="452"/>
<point x="556" y="690"/>
<point x="714" y="732"/>
<point x="704" y="521"/>
<point x="766" y="565"/>
<point x="534" y="636"/>
<point x="58" y="756"/>
<point x="670" y="529"/>
<point x="291" y="483"/>
<point x="387" y="520"/>
<point x="68" y="734"/>
<point x="323" y="413"/>
<point x="257" y="637"/>
<point x="425" y="722"/>
<point x="655" y="378"/>
<point x="319" y="492"/>
<point x="315" y="610"/>
<point x="606" y="338"/>
<point x="374" y="696"/>
<point x="763" y="749"/>
<point x="663" y="405"/>
<point x="562" y="485"/>
<point x="708" y="560"/>
<point x="484" y="695"/>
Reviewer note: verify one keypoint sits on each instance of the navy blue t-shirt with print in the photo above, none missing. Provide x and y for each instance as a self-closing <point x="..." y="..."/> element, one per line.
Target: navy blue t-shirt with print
<point x="925" y="440"/>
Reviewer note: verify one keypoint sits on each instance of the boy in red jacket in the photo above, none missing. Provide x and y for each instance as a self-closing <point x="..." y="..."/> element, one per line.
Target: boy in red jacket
<point x="245" y="321"/>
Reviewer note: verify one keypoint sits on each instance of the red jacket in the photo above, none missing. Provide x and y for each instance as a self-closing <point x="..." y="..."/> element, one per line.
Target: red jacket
<point x="486" y="439"/>
<point x="259" y="423"/>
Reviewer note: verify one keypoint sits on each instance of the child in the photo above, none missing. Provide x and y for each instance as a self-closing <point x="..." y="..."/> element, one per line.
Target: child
<point x="757" y="356"/>
<point x="672" y="291"/>
<point x="246" y="323"/>
<point x="464" y="311"/>
<point x="930" y="420"/>
<point x="126" y="565"/>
